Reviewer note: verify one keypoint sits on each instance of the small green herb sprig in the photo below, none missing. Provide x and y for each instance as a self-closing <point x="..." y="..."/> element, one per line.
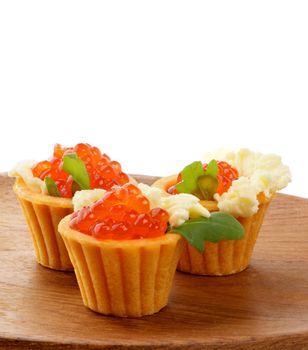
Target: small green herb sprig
<point x="199" y="182"/>
<point x="219" y="226"/>
<point x="51" y="187"/>
<point x="74" y="166"/>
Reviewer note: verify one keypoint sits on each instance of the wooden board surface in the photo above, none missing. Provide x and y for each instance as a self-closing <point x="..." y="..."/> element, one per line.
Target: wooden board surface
<point x="264" y="307"/>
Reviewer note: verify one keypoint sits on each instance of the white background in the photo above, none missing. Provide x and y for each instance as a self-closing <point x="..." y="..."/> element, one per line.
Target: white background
<point x="155" y="84"/>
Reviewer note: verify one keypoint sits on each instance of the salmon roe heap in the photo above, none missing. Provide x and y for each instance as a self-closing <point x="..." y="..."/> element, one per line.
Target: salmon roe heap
<point x="103" y="172"/>
<point x="226" y="174"/>
<point x="123" y="213"/>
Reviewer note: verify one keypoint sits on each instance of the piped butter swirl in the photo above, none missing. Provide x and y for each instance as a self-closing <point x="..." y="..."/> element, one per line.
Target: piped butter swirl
<point x="85" y="198"/>
<point x="180" y="207"/>
<point x="24" y="170"/>
<point x="257" y="173"/>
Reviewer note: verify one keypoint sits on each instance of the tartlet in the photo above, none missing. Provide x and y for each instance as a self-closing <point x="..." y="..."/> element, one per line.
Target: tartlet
<point x="45" y="203"/>
<point x="43" y="214"/>
<point x="246" y="196"/>
<point x="122" y="271"/>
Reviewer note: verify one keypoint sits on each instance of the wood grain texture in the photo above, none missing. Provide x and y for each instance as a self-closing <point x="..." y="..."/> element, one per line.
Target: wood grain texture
<point x="264" y="307"/>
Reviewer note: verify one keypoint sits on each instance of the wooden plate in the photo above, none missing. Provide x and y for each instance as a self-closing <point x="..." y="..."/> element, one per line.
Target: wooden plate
<point x="264" y="307"/>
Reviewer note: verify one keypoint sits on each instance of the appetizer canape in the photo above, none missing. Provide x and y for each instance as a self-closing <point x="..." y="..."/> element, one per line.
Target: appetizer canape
<point x="240" y="183"/>
<point x="45" y="190"/>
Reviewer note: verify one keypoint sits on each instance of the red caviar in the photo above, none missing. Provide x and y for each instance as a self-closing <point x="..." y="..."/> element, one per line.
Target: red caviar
<point x="123" y="213"/>
<point x="103" y="172"/>
<point x="226" y="174"/>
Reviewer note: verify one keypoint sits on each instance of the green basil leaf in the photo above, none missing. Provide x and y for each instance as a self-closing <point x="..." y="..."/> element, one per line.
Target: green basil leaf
<point x="212" y="168"/>
<point x="51" y="187"/>
<point x="219" y="226"/>
<point x="73" y="165"/>
<point x="190" y="175"/>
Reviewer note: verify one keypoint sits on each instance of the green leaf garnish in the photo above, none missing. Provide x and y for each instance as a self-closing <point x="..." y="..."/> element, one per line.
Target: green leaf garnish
<point x="73" y="165"/>
<point x="212" y="168"/>
<point x="51" y="187"/>
<point x="198" y="182"/>
<point x="219" y="226"/>
<point x="190" y="175"/>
